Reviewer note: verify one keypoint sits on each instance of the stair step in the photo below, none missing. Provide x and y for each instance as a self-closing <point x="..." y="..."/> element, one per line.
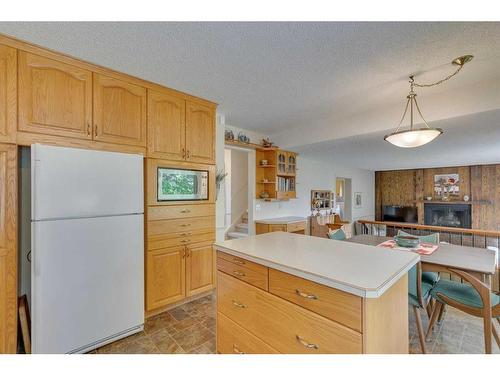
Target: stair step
<point x="236" y="235"/>
<point x="243" y="227"/>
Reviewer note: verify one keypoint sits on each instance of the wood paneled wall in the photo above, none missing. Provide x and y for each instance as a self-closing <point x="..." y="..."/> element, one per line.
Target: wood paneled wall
<point x="409" y="187"/>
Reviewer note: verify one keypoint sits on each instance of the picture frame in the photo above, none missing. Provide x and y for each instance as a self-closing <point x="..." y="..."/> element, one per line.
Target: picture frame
<point x="358" y="200"/>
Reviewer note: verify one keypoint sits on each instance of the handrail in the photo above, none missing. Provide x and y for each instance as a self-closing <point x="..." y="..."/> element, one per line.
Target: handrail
<point x="478" y="232"/>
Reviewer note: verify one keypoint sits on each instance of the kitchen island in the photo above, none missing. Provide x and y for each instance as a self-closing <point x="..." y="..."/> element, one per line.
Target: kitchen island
<point x="286" y="293"/>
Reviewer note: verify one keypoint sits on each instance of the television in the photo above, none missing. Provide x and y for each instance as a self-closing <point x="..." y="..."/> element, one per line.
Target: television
<point x="402" y="214"/>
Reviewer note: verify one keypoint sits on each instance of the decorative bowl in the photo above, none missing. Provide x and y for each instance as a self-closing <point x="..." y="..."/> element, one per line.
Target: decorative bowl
<point x="407" y="241"/>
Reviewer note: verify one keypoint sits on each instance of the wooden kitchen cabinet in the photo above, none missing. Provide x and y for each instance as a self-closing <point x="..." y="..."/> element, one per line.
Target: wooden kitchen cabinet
<point x="200" y="133"/>
<point x="55" y="98"/>
<point x="8" y="94"/>
<point x="165" y="276"/>
<point x="119" y="111"/>
<point x="166" y="126"/>
<point x="199" y="268"/>
<point x="8" y="248"/>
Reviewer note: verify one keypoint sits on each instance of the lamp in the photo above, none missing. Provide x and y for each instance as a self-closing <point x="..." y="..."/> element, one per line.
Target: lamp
<point x="421" y="136"/>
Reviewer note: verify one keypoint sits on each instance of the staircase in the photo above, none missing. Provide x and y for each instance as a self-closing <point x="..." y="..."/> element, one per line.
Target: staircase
<point x="240" y="230"/>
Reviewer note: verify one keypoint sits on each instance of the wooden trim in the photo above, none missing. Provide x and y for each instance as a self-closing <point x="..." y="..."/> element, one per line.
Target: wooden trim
<point x="251" y="146"/>
<point x="42" y="51"/>
<point x="479" y="232"/>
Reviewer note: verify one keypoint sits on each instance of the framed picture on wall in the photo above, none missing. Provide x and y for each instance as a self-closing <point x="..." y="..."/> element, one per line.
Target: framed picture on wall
<point x="358" y="200"/>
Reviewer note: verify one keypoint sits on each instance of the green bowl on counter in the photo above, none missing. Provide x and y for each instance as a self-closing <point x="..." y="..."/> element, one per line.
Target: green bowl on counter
<point x="407" y="241"/>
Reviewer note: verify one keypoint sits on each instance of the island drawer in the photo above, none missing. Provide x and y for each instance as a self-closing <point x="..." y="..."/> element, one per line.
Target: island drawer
<point x="242" y="262"/>
<point x="333" y="304"/>
<point x="247" y="274"/>
<point x="180" y="238"/>
<point x="285" y="326"/>
<point x="180" y="212"/>
<point x="160" y="227"/>
<point x="234" y="339"/>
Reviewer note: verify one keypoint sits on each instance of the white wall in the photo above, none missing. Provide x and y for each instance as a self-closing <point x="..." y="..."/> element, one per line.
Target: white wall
<point x="316" y="172"/>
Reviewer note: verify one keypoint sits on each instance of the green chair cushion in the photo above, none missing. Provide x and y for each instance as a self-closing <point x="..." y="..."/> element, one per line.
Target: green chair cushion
<point x="426" y="289"/>
<point x="338" y="234"/>
<point x="430" y="238"/>
<point x="461" y="293"/>
<point x="430" y="277"/>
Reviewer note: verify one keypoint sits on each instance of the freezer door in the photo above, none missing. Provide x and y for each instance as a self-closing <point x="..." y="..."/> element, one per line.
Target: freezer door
<point x="87" y="281"/>
<point x="73" y="183"/>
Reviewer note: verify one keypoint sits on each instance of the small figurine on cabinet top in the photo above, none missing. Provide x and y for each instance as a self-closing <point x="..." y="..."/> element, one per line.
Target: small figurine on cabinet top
<point x="243" y="138"/>
<point x="229" y="135"/>
<point x="266" y="142"/>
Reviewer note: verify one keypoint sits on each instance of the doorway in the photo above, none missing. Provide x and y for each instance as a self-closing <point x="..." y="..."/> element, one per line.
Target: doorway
<point x="343" y="197"/>
<point x="239" y="188"/>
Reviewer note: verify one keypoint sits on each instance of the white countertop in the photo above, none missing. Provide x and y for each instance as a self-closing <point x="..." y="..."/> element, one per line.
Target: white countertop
<point x="281" y="220"/>
<point x="363" y="270"/>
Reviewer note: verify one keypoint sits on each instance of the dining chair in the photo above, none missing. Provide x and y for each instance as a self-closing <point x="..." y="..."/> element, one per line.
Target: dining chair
<point x="429" y="277"/>
<point x="338" y="234"/>
<point x="419" y="293"/>
<point x="475" y="299"/>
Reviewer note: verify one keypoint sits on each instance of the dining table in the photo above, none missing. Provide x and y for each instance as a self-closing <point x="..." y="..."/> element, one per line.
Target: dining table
<point x="479" y="262"/>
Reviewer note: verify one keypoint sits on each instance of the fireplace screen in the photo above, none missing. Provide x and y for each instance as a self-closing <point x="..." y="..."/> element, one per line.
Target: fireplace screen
<point x="448" y="215"/>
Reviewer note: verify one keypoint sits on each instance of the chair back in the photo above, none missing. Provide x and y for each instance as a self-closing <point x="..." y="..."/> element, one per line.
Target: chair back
<point x="429" y="238"/>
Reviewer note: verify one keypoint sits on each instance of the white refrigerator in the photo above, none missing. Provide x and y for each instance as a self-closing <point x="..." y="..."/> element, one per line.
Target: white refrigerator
<point x="87" y="270"/>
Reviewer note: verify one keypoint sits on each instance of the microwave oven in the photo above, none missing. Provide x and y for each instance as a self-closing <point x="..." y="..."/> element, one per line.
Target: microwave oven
<point x="182" y="185"/>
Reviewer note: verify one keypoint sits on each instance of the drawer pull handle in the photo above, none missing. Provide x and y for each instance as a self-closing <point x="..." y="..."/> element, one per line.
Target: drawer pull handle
<point x="240" y="305"/>
<point x="184" y="241"/>
<point x="240" y="262"/>
<point x="305" y="343"/>
<point x="236" y="350"/>
<point x="239" y="273"/>
<point x="305" y="295"/>
<point x="185" y="211"/>
<point x="186" y="234"/>
<point x="185" y="225"/>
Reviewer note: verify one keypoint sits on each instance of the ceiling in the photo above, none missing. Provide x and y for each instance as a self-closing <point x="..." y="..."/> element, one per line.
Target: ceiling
<point x="467" y="140"/>
<point x="301" y="83"/>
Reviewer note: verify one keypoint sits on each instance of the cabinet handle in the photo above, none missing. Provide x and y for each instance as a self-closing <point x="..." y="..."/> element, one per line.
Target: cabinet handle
<point x="184" y="253"/>
<point x="185" y="225"/>
<point x="95" y="130"/>
<point x="185" y="211"/>
<point x="305" y="343"/>
<point x="240" y="262"/>
<point x="239" y="273"/>
<point x="188" y="253"/>
<point x="184" y="153"/>
<point x="187" y="154"/>
<point x="88" y="129"/>
<point x="184" y="241"/>
<point x="186" y="234"/>
<point x="240" y="305"/>
<point x="305" y="295"/>
<point x="236" y="350"/>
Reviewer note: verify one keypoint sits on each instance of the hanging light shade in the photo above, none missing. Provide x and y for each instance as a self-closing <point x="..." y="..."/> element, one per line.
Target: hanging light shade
<point x="416" y="137"/>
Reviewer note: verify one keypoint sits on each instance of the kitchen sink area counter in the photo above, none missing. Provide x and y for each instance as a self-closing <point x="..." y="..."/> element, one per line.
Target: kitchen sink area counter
<point x="291" y="293"/>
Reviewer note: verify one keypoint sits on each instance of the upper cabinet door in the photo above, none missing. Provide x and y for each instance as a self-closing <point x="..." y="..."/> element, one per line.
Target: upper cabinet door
<point x="8" y="94"/>
<point x="119" y="111"/>
<point x="166" y="126"/>
<point x="200" y="133"/>
<point x="54" y="97"/>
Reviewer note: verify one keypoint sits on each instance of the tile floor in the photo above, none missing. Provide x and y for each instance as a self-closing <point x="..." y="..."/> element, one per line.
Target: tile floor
<point x="190" y="328"/>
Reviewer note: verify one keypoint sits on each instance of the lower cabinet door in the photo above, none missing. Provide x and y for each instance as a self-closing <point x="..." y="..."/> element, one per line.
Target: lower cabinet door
<point x="234" y="339"/>
<point x="165" y="277"/>
<point x="199" y="268"/>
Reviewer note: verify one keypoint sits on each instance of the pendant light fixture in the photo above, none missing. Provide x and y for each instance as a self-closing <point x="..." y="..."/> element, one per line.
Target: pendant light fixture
<point x="416" y="137"/>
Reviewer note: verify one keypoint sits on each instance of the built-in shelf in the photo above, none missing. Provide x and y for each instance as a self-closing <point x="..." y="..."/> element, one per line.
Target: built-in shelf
<point x="267" y="182"/>
<point x="253" y="146"/>
<point x="266" y="166"/>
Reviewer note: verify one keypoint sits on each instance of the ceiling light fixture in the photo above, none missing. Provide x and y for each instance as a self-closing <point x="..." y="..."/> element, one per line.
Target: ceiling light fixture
<point x="419" y="137"/>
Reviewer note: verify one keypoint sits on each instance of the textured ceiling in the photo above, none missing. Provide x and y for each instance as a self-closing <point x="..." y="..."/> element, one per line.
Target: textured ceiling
<point x="301" y="83"/>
